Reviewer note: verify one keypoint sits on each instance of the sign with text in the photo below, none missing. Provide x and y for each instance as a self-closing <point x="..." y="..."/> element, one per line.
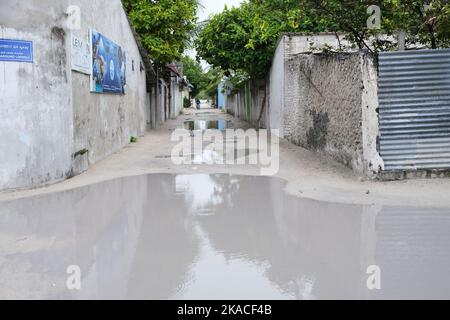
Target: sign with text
<point x="108" y="65"/>
<point x="81" y="55"/>
<point x="16" y="50"/>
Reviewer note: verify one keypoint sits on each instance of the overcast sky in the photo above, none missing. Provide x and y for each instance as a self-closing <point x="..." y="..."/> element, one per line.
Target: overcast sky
<point x="214" y="6"/>
<point x="210" y="7"/>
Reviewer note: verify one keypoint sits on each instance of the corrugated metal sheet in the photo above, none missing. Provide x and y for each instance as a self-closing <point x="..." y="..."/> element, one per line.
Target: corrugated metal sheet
<point x="414" y="96"/>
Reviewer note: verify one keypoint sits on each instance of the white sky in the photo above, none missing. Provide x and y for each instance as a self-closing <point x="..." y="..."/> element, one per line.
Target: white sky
<point x="214" y="6"/>
<point x="209" y="7"/>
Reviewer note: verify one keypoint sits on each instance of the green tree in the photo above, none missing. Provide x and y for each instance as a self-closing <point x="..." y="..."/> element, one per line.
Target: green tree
<point x="244" y="38"/>
<point x="193" y="70"/>
<point x="424" y="21"/>
<point x="166" y="27"/>
<point x="241" y="41"/>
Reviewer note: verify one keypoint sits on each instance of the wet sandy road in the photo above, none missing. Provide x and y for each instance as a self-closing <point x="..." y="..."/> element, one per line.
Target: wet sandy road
<point x="217" y="237"/>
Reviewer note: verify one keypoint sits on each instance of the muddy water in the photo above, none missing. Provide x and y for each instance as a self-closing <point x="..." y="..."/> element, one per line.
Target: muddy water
<point x="205" y="125"/>
<point x="217" y="237"/>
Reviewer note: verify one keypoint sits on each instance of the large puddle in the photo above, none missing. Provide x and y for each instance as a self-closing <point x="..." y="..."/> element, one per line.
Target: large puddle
<point x="204" y="125"/>
<point x="217" y="237"/>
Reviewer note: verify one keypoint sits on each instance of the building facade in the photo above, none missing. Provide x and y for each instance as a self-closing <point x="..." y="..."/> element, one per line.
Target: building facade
<point x="80" y="97"/>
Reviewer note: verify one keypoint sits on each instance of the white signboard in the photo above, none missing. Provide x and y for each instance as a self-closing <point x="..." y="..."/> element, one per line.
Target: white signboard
<point x="81" y="55"/>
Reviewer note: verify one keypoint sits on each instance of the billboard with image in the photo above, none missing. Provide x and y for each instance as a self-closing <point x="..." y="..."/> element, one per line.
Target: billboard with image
<point x="108" y="65"/>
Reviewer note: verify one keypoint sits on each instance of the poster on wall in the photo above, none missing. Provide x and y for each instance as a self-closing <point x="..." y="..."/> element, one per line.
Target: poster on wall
<point x="108" y="65"/>
<point x="81" y="55"/>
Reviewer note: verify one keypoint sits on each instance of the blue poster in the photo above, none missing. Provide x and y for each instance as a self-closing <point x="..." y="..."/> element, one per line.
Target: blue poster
<point x="16" y="50"/>
<point x="108" y="65"/>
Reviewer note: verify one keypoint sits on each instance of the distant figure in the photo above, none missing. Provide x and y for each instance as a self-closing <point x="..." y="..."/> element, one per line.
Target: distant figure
<point x="197" y="102"/>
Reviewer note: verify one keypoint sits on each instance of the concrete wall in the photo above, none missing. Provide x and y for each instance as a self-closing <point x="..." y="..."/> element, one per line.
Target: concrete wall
<point x="328" y="102"/>
<point x="104" y="123"/>
<point x="163" y="103"/>
<point x="249" y="104"/>
<point x="277" y="89"/>
<point x="177" y="99"/>
<point x="51" y="126"/>
<point x="373" y="163"/>
<point x="298" y="43"/>
<point x="323" y="106"/>
<point x="36" y="118"/>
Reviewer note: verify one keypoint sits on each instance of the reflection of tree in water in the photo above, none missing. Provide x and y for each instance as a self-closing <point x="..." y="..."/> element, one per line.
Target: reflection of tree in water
<point x="308" y="249"/>
<point x="166" y="248"/>
<point x="261" y="224"/>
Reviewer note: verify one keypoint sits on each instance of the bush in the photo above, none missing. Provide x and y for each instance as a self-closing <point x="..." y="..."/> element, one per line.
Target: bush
<point x="187" y="102"/>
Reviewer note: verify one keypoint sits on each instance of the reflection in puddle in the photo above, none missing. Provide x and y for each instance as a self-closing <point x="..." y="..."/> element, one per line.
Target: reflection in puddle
<point x="204" y="125"/>
<point x="217" y="237"/>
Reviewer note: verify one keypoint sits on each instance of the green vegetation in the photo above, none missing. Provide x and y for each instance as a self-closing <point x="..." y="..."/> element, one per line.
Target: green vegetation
<point x="425" y="21"/>
<point x="241" y="41"/>
<point x="214" y="76"/>
<point x="166" y="27"/>
<point x="205" y="83"/>
<point x="186" y="102"/>
<point x="194" y="72"/>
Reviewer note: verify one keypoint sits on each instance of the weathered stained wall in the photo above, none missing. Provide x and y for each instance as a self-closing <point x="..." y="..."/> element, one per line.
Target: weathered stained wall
<point x="373" y="163"/>
<point x="323" y="102"/>
<point x="36" y="119"/>
<point x="51" y="126"/>
<point x="323" y="105"/>
<point x="104" y="123"/>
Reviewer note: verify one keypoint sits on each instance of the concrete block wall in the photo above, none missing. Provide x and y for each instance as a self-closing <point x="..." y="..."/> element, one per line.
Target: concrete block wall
<point x="323" y="106"/>
<point x="51" y="126"/>
<point x="330" y="103"/>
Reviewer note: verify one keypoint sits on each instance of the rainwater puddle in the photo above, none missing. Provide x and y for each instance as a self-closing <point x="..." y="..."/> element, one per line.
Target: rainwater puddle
<point x="204" y="125"/>
<point x="217" y="237"/>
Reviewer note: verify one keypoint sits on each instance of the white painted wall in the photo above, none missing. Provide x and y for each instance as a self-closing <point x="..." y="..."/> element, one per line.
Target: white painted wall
<point x="47" y="113"/>
<point x="177" y="100"/>
<point x="297" y="43"/>
<point x="104" y="123"/>
<point x="36" y="119"/>
<point x="373" y="163"/>
<point x="276" y="89"/>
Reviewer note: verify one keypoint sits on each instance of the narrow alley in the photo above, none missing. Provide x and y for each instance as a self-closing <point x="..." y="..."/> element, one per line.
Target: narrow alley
<point x="177" y="151"/>
<point x="218" y="232"/>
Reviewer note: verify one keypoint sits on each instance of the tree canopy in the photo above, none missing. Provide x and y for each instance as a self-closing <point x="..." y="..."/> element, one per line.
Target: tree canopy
<point x="193" y="70"/>
<point x="243" y="39"/>
<point x="166" y="27"/>
<point x="425" y="22"/>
